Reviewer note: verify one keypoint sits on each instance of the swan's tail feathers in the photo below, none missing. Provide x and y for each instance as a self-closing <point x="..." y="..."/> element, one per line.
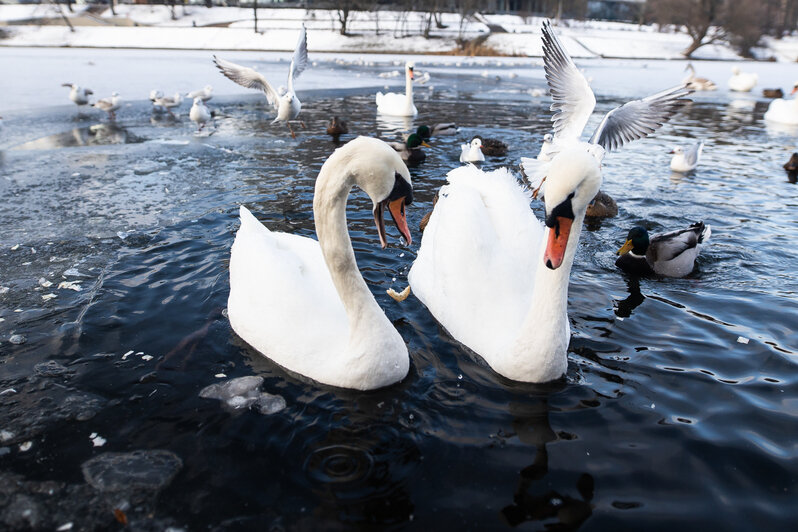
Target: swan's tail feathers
<point x="249" y="221"/>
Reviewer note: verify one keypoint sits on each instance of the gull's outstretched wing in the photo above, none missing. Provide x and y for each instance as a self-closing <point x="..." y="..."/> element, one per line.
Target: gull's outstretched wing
<point x="692" y="153"/>
<point x="573" y="99"/>
<point x="638" y="118"/>
<point x="249" y="78"/>
<point x="300" y="60"/>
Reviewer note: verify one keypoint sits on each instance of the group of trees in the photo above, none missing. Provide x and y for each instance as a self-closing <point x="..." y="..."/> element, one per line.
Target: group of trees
<point x="741" y="22"/>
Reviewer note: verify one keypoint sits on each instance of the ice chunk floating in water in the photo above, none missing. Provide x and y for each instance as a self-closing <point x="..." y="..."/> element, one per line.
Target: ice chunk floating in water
<point x="244" y="392"/>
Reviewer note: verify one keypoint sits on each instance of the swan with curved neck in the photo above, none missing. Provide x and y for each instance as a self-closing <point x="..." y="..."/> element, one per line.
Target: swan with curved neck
<point x="395" y="104"/>
<point x="487" y="269"/>
<point x="303" y="303"/>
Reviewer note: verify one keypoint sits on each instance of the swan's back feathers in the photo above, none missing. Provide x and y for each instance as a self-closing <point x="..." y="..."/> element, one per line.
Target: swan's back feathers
<point x="268" y="266"/>
<point x="480" y="246"/>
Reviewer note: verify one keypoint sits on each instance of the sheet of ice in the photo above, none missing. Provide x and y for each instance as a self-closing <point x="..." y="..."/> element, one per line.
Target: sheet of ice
<point x="244" y="392"/>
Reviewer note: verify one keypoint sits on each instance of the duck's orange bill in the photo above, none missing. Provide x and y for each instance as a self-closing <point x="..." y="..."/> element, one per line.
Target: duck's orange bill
<point x="626" y="248"/>
<point x="397" y="208"/>
<point x="558" y="241"/>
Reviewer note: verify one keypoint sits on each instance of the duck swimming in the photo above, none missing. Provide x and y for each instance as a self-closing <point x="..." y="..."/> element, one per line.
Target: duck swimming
<point x="668" y="254"/>
<point x="410" y="150"/>
<point x="337" y="127"/>
<point x="437" y="130"/>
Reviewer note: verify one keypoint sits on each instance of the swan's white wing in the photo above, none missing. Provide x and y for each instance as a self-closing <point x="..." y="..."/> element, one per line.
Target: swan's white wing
<point x="300" y="60"/>
<point x="476" y="264"/>
<point x="573" y="99"/>
<point x="247" y="77"/>
<point x="282" y="300"/>
<point x="638" y="118"/>
<point x="692" y="153"/>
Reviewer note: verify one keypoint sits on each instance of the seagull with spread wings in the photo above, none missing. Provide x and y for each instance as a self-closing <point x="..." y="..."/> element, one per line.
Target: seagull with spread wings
<point x="574" y="102"/>
<point x="288" y="105"/>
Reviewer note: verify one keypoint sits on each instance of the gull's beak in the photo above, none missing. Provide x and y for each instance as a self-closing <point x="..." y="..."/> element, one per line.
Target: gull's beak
<point x="626" y="248"/>
<point x="397" y="209"/>
<point x="671" y="151"/>
<point x="425" y="144"/>
<point x="794" y="90"/>
<point x="558" y="241"/>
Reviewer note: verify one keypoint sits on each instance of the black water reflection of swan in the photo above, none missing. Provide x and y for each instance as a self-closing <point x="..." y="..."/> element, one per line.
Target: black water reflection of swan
<point x="534" y="499"/>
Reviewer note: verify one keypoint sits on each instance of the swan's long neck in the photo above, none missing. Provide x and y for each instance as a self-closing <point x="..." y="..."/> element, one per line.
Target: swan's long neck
<point x="540" y="350"/>
<point x="366" y="318"/>
<point x="408" y="87"/>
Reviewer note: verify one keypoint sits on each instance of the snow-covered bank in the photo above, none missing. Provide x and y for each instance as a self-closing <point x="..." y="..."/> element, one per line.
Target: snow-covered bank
<point x="227" y="28"/>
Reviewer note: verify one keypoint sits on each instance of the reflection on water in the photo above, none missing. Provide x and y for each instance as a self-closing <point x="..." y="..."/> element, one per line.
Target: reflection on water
<point x="96" y="135"/>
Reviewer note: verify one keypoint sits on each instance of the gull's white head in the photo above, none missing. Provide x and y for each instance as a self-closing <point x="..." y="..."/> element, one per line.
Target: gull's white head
<point x="548" y="137"/>
<point x="476" y="143"/>
<point x="208" y="88"/>
<point x="572" y="181"/>
<point x="678" y="150"/>
<point x="735" y="70"/>
<point x="198" y="101"/>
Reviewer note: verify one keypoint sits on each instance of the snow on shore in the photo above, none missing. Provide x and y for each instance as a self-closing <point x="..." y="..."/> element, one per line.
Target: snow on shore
<point x="228" y="28"/>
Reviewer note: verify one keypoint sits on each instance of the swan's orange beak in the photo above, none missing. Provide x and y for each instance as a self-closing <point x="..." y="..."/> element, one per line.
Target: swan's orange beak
<point x="397" y="208"/>
<point x="558" y="241"/>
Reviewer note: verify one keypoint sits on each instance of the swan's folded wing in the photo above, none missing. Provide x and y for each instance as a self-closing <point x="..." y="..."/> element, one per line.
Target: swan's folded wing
<point x="638" y="118"/>
<point x="247" y="77"/>
<point x="475" y="266"/>
<point x="282" y="300"/>
<point x="573" y="99"/>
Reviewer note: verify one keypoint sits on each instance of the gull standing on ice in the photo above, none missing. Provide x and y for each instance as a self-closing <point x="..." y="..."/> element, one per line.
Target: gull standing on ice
<point x="109" y="105"/>
<point x="288" y="105"/>
<point x="205" y="94"/>
<point x="199" y="114"/>
<point x="168" y="103"/>
<point x="79" y="95"/>
<point x="685" y="160"/>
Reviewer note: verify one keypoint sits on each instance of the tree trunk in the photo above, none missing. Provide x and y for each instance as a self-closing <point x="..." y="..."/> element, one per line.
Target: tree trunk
<point x="255" y="13"/>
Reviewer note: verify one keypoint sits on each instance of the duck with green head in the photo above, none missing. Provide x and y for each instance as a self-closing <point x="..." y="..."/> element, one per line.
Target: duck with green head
<point x="437" y="130"/>
<point x="669" y="254"/>
<point x="410" y="150"/>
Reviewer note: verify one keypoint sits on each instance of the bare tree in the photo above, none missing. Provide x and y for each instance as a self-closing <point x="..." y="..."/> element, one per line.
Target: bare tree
<point x="700" y="19"/>
<point x="344" y="9"/>
<point x="745" y="20"/>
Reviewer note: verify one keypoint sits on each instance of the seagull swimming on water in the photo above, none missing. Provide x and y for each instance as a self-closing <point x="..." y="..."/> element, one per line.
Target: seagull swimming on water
<point x="288" y="105"/>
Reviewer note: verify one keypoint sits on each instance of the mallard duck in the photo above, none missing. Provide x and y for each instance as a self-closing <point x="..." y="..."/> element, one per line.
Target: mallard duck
<point x="437" y="130"/>
<point x="792" y="168"/>
<point x="742" y="81"/>
<point x="686" y="159"/>
<point x="698" y="84"/>
<point x="669" y="254"/>
<point x="410" y="150"/>
<point x="337" y="127"/>
<point x="493" y="147"/>
<point x="773" y="93"/>
<point x="286" y="105"/>
<point x="602" y="206"/>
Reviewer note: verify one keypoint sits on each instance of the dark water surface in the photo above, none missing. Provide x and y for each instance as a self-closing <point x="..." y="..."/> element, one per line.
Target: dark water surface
<point x="664" y="419"/>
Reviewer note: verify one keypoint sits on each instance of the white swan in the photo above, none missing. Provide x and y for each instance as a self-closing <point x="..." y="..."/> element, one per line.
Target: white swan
<point x="472" y="152"/>
<point x="742" y="81"/>
<point x="784" y="111"/>
<point x="685" y="160"/>
<point x="394" y="104"/>
<point x="286" y="105"/>
<point x="79" y="95"/>
<point x="488" y="270"/>
<point x="302" y="302"/>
